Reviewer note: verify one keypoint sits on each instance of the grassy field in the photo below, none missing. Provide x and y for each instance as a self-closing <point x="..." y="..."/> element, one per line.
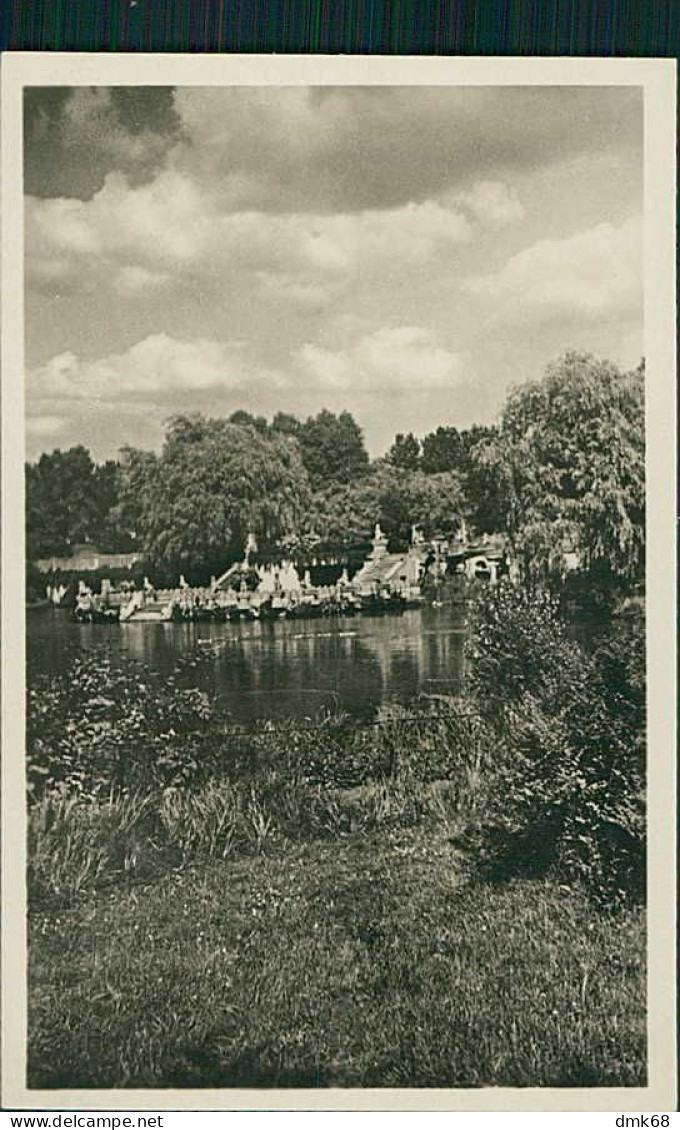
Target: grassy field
<point x="368" y="959"/>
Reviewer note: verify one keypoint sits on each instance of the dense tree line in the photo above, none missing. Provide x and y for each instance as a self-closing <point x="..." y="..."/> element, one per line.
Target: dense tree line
<point x="562" y="473"/>
<point x="71" y="500"/>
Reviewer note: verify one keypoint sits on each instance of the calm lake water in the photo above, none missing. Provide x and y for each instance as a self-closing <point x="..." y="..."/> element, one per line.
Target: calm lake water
<point x="281" y="668"/>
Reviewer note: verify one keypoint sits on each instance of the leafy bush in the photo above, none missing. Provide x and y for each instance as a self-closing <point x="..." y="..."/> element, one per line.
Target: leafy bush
<point x="131" y="773"/>
<point x="566" y="790"/>
<point x="96" y="726"/>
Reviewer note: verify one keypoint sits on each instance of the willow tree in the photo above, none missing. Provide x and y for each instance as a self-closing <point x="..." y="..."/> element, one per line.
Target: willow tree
<point x="213" y="483"/>
<point x="570" y="461"/>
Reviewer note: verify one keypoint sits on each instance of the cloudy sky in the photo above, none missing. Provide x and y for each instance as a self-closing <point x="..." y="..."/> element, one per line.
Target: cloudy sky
<point x="405" y="253"/>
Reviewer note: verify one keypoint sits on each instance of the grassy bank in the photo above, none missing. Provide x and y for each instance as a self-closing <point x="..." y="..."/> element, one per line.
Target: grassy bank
<point x="451" y="896"/>
<point x="274" y="932"/>
<point x="365" y="961"/>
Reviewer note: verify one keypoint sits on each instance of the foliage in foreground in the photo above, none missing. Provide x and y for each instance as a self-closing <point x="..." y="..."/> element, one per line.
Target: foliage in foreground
<point x="357" y="963"/>
<point x="291" y="908"/>
<point x="566" y="788"/>
<point x="248" y="793"/>
<point x="545" y="763"/>
<point x="98" y="726"/>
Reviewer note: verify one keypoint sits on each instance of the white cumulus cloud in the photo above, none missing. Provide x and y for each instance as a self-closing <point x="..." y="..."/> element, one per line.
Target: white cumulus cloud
<point x="491" y="203"/>
<point x="597" y="272"/>
<point x="390" y="357"/>
<point x="346" y="148"/>
<point x="156" y="367"/>
<point x="134" y="280"/>
<point x="171" y="221"/>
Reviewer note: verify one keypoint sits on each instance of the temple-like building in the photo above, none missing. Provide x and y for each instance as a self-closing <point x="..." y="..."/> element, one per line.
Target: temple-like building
<point x="392" y="572"/>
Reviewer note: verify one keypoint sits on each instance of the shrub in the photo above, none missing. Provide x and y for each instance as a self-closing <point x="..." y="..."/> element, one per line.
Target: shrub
<point x="97" y="725"/>
<point x="566" y="789"/>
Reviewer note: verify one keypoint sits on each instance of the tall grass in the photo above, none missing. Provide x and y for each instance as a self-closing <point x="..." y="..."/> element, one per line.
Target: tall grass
<point x="225" y="792"/>
<point x="79" y="846"/>
<point x="73" y="846"/>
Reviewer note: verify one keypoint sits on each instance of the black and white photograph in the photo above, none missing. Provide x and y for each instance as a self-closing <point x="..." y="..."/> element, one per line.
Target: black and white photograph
<point x="336" y="511"/>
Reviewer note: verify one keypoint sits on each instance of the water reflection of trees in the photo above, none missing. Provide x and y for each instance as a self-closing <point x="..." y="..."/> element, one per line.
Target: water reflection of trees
<point x="298" y="667"/>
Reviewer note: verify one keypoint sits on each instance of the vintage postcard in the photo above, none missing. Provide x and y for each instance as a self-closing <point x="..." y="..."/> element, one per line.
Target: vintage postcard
<point x="338" y="599"/>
